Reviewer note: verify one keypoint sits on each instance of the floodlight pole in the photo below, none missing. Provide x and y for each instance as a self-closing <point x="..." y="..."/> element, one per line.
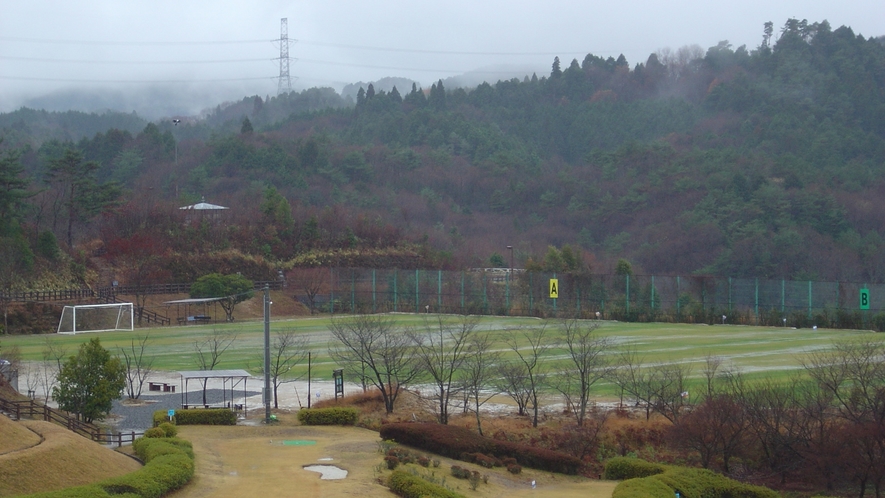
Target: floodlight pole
<point x="266" y="354"/>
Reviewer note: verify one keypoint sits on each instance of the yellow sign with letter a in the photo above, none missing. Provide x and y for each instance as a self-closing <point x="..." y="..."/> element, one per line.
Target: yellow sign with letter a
<point x="554" y="288"/>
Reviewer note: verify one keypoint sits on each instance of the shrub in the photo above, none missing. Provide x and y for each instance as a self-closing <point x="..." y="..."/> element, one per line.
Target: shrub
<point x="328" y="416"/>
<point x="514" y="468"/>
<point x="155" y="432"/>
<point x="169" y="429"/>
<point x="642" y="488"/>
<point x="411" y="486"/>
<point x="460" y="472"/>
<point x="621" y="468"/>
<point x="391" y="461"/>
<point x="454" y="442"/>
<point x="210" y="416"/>
<point x="687" y="481"/>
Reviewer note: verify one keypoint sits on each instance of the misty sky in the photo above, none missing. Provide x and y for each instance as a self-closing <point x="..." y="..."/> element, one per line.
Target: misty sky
<point x="225" y="49"/>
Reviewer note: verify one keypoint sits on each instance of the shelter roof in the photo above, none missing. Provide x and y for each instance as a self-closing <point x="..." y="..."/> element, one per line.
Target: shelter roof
<point x="196" y="300"/>
<point x="213" y="374"/>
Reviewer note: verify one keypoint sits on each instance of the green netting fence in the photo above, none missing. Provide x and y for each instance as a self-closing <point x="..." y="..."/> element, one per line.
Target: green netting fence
<point x="692" y="299"/>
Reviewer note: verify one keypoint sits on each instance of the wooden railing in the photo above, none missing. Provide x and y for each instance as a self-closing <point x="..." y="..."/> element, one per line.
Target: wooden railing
<point x="33" y="409"/>
<point x="47" y="295"/>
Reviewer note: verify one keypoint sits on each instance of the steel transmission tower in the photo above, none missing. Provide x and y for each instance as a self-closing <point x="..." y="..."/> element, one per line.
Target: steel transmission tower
<point x="285" y="83"/>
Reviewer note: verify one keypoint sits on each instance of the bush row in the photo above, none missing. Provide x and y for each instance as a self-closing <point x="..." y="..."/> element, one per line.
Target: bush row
<point x="622" y="468"/>
<point x="455" y="442"/>
<point x="650" y="480"/>
<point x="210" y="416"/>
<point x="328" y="416"/>
<point x="169" y="465"/>
<point x="412" y="486"/>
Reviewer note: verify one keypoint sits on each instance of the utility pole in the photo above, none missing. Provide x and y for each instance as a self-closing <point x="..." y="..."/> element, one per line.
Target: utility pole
<point x="267" y="393"/>
<point x="285" y="83"/>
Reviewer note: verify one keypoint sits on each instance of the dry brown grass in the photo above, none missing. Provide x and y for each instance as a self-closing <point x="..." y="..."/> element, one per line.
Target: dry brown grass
<point x="16" y="436"/>
<point x="62" y="460"/>
<point x="252" y="461"/>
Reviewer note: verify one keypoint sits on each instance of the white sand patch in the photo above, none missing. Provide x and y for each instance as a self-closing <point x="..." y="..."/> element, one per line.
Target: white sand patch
<point x="327" y="472"/>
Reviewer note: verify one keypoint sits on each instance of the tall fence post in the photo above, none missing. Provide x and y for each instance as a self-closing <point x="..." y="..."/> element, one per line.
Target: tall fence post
<point x="809" y="299"/>
<point x="627" y="305"/>
<point x="784" y="297"/>
<point x="462" y="292"/>
<point x="331" y="291"/>
<point x="756" y="303"/>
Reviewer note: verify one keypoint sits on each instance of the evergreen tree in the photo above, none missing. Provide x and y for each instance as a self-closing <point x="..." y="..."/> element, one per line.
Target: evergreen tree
<point x="13" y="190"/>
<point x="246" y="129"/>
<point x="394" y="96"/>
<point x="82" y="196"/>
<point x="89" y="382"/>
<point x="556" y="72"/>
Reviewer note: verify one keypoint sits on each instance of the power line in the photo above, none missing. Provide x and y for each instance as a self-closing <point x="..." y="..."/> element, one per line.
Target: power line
<point x="98" y="61"/>
<point x="304" y="42"/>
<point x="73" y="80"/>
<point x="130" y="43"/>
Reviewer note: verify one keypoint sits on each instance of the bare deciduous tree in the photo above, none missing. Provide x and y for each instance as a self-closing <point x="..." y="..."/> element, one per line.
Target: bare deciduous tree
<point x="478" y="372"/>
<point x="522" y="377"/>
<point x="54" y="356"/>
<point x="311" y="281"/>
<point x="370" y="345"/>
<point x="441" y="352"/>
<point x="208" y="351"/>
<point x="586" y="352"/>
<point x="137" y="366"/>
<point x="287" y="350"/>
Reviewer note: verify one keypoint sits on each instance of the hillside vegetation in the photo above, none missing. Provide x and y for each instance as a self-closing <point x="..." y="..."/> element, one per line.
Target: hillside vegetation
<point x="62" y="459"/>
<point x="765" y="162"/>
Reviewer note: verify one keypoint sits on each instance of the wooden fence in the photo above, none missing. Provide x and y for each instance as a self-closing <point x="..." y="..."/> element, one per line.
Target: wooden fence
<point x="35" y="410"/>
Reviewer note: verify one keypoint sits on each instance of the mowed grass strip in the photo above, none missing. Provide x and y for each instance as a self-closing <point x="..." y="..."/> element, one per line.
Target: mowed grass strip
<point x="774" y="351"/>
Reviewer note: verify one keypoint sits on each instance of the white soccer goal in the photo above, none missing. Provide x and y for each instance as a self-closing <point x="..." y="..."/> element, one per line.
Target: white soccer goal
<point x="96" y="318"/>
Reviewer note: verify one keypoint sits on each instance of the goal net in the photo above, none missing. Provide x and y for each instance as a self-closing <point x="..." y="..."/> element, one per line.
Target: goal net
<point x="96" y="318"/>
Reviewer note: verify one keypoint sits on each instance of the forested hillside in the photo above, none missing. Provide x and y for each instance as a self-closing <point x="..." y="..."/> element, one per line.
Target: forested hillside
<point x="766" y="162"/>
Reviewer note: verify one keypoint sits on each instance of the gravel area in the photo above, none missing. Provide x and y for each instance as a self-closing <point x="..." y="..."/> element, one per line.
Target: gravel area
<point x="138" y="415"/>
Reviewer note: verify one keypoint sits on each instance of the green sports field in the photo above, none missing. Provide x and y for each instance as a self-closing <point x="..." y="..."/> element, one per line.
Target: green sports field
<point x="756" y="351"/>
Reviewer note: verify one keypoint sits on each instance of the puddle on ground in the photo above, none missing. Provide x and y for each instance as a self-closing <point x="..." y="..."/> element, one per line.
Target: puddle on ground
<point x="327" y="472"/>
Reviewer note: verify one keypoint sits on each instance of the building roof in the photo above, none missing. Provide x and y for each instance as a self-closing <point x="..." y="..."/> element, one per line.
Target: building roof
<point x="203" y="205"/>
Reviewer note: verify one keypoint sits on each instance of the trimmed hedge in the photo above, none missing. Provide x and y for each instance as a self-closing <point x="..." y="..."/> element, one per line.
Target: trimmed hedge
<point x="643" y="488"/>
<point x="328" y="416"/>
<point x="209" y="416"/>
<point x="651" y="480"/>
<point x="412" y="486"/>
<point x="169" y="465"/>
<point x="621" y="468"/>
<point x="454" y="442"/>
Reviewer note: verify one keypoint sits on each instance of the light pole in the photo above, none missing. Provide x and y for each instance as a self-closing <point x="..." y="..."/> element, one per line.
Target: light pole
<point x="511" y="258"/>
<point x="175" y="122"/>
<point x="266" y="354"/>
